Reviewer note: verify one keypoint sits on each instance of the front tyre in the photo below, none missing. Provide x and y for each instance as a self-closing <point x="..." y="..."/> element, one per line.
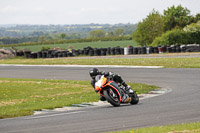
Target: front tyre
<point x="112" y="97"/>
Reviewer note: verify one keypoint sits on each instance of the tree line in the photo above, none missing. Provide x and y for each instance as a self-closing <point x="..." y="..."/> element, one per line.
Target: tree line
<point x="174" y="26"/>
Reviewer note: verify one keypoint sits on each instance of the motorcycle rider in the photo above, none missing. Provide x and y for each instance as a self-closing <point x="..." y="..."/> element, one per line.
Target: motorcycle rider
<point x="117" y="78"/>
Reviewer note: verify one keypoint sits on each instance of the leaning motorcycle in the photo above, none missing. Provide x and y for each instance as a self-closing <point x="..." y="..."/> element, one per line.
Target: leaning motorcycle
<point x="114" y="93"/>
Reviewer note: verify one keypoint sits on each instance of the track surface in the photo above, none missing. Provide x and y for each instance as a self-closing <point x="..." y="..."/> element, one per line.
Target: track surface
<point x="181" y="105"/>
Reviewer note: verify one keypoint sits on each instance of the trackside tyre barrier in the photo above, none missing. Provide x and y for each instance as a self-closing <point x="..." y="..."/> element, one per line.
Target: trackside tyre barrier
<point x="112" y="51"/>
<point x="89" y="51"/>
<point x="143" y="50"/>
<point x="130" y="50"/>
<point x="183" y="48"/>
<point x="155" y="49"/>
<point x="117" y="51"/>
<point x="148" y="50"/>
<point x="160" y="50"/>
<point x="164" y="48"/>
<point x="34" y="55"/>
<point x="135" y="50"/>
<point x="178" y="48"/>
<point x="126" y="51"/>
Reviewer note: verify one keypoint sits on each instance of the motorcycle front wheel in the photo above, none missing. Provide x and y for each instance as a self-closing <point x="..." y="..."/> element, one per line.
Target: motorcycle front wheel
<point x="112" y="97"/>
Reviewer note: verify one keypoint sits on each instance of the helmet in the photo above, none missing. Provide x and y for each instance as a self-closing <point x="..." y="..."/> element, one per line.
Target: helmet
<point x="94" y="72"/>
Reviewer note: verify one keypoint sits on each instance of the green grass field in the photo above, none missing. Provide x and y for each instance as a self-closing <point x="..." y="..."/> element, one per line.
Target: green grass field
<point x="166" y="62"/>
<point x="20" y="97"/>
<point x="178" y="128"/>
<point x="100" y="44"/>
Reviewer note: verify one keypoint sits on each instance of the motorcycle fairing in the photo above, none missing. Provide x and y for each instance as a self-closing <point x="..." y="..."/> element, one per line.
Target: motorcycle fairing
<point x="103" y="84"/>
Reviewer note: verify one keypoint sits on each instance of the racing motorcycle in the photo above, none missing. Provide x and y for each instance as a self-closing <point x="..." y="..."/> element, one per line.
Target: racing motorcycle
<point x="114" y="93"/>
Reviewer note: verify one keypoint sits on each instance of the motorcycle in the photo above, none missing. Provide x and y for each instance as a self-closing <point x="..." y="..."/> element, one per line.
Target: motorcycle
<point x="114" y="93"/>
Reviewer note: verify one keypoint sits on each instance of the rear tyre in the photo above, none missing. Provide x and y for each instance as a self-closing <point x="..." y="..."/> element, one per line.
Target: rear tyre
<point x="134" y="98"/>
<point x="112" y="97"/>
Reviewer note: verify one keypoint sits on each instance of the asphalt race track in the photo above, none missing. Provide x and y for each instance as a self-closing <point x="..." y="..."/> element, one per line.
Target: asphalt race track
<point x="181" y="105"/>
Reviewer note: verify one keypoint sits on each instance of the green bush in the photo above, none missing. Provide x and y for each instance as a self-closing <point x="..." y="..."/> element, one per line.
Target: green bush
<point x="45" y="48"/>
<point x="189" y="35"/>
<point x="172" y="37"/>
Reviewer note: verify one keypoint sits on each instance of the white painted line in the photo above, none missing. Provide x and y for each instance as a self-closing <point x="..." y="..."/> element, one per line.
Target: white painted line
<point x="90" y="66"/>
<point x="45" y="116"/>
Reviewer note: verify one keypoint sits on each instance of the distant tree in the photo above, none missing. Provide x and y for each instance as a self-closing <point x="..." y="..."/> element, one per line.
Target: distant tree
<point x="119" y="32"/>
<point x="1" y="42"/>
<point x="41" y="39"/>
<point x="110" y="34"/>
<point x="197" y="17"/>
<point x="62" y="35"/>
<point x="149" y="29"/>
<point x="96" y="34"/>
<point x="177" y="17"/>
<point x="194" y="32"/>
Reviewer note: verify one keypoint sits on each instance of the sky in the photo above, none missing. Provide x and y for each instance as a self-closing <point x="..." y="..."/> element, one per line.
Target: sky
<point x="85" y="11"/>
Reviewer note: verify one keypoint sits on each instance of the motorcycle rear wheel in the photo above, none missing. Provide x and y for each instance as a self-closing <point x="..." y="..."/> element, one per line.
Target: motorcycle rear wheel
<point x="134" y="98"/>
<point x="112" y="97"/>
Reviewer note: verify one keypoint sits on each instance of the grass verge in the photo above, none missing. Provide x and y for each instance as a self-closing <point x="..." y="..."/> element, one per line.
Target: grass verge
<point x="179" y="128"/>
<point x="166" y="62"/>
<point x="20" y="97"/>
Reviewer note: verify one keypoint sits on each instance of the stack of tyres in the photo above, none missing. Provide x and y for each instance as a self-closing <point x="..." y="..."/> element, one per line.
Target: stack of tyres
<point x="151" y="50"/>
<point x="178" y="48"/>
<point x="44" y="54"/>
<point x="55" y="54"/>
<point x="117" y="51"/>
<point x="97" y="52"/>
<point x="86" y="52"/>
<point x="60" y="54"/>
<point x="183" y="48"/>
<point x="91" y="52"/>
<point x="81" y="52"/>
<point x="77" y="52"/>
<point x="69" y="54"/>
<point x="126" y="51"/>
<point x="143" y="50"/>
<point x="39" y="54"/>
<point x="103" y="51"/>
<point x="139" y="50"/>
<point x="169" y="49"/>
<point x="50" y="54"/>
<point x="155" y="49"/>
<point x="121" y="51"/>
<point x="34" y="55"/>
<point x="27" y="54"/>
<point x="130" y="50"/>
<point x="64" y="54"/>
<point x="160" y="50"/>
<point x="20" y="53"/>
<point x="173" y="49"/>
<point x="112" y="51"/>
<point x="108" y="51"/>
<point x="164" y="48"/>
<point x="74" y="52"/>
<point x="135" y="50"/>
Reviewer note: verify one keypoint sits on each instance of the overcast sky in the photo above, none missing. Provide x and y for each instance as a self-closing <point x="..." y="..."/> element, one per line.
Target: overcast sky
<point x="85" y="11"/>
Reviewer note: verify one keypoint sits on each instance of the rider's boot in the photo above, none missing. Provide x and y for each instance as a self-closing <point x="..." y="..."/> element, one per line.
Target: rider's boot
<point x="127" y="87"/>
